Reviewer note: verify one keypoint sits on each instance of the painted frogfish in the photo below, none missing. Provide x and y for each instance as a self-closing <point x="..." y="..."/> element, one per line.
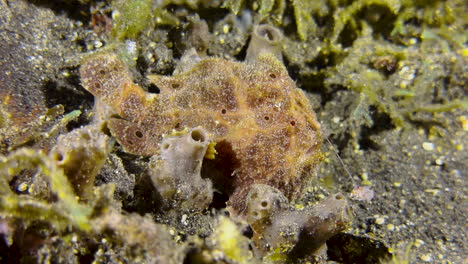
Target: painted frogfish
<point x="261" y="125"/>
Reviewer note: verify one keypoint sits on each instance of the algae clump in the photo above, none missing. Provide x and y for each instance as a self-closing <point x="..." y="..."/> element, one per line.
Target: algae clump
<point x="231" y="241"/>
<point x="67" y="210"/>
<point x="131" y="17"/>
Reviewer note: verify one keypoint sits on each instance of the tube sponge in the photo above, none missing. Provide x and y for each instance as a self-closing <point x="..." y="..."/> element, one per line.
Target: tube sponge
<point x="176" y="171"/>
<point x="263" y="201"/>
<point x="81" y="154"/>
<point x="278" y="226"/>
<point x="330" y="217"/>
<point x="265" y="39"/>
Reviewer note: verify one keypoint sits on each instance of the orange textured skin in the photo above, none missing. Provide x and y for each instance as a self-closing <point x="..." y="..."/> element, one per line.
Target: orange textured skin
<point x="265" y="129"/>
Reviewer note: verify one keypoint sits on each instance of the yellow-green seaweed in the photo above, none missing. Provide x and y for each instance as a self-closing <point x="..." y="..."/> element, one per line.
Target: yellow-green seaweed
<point x="13" y="205"/>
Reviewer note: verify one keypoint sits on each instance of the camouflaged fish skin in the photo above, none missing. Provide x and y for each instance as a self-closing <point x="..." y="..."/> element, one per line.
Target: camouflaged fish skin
<point x="263" y="125"/>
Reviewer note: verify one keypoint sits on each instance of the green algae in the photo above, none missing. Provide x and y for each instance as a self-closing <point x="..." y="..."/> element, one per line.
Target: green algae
<point x="274" y="10"/>
<point x="307" y="12"/>
<point x="399" y="94"/>
<point x="435" y="14"/>
<point x="231" y="241"/>
<point x="233" y="5"/>
<point x="304" y="21"/>
<point x="67" y="210"/>
<point x="349" y="14"/>
<point x="131" y="17"/>
<point x="447" y="18"/>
